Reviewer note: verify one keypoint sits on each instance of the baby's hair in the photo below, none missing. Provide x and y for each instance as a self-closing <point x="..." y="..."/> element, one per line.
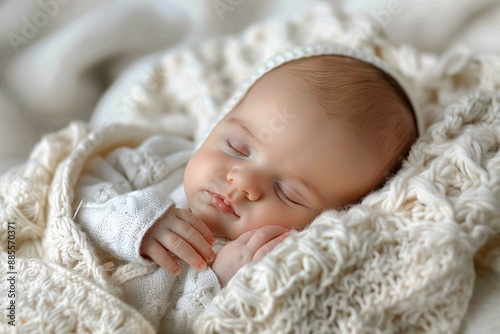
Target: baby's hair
<point x="368" y="99"/>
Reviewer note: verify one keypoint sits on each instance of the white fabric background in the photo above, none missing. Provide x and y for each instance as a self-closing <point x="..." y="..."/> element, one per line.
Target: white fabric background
<point x="58" y="57"/>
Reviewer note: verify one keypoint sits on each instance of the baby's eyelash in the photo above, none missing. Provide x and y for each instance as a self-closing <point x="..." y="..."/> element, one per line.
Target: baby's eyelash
<point x="284" y="197"/>
<point x="234" y="149"/>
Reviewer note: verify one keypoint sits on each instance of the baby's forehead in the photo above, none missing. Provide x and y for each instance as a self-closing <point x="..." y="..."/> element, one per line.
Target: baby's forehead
<point x="354" y="93"/>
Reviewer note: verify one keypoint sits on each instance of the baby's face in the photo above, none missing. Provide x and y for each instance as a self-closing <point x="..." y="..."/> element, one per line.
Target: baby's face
<point x="277" y="159"/>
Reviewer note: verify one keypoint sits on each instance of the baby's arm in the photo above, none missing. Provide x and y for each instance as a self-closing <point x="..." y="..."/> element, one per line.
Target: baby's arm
<point x="124" y="195"/>
<point x="113" y="214"/>
<point x="250" y="246"/>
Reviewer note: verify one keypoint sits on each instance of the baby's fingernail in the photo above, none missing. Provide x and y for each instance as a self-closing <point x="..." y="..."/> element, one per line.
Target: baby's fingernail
<point x="211" y="257"/>
<point x="202" y="265"/>
<point x="177" y="271"/>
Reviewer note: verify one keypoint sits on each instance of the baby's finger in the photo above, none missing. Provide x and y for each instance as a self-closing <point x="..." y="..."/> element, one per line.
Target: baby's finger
<point x="181" y="248"/>
<point x="243" y="239"/>
<point x="194" y="221"/>
<point x="193" y="237"/>
<point x="264" y="235"/>
<point x="156" y="252"/>
<point x="268" y="247"/>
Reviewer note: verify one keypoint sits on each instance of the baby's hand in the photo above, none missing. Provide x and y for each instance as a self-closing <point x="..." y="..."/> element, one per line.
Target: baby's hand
<point x="250" y="246"/>
<point x="183" y="234"/>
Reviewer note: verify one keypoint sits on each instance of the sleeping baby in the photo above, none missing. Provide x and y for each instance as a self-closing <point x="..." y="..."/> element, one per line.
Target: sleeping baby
<point x="313" y="131"/>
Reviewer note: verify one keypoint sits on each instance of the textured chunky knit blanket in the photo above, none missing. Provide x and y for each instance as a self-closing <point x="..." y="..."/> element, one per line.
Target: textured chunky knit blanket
<point x="400" y="261"/>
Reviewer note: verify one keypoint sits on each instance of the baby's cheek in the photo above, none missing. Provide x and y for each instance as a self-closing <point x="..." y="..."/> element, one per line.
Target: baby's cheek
<point x="260" y="217"/>
<point x="297" y="220"/>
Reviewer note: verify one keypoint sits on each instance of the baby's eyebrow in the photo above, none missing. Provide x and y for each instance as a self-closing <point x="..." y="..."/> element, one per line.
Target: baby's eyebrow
<point x="239" y="122"/>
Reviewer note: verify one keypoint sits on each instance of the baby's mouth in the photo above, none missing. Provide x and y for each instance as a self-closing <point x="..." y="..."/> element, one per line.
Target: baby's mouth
<point x="220" y="202"/>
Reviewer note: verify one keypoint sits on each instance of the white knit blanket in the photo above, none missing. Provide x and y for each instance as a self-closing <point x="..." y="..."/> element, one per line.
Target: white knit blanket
<point x="401" y="261"/>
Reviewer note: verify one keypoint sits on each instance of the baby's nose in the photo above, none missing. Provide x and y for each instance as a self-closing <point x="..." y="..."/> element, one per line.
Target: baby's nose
<point x="246" y="180"/>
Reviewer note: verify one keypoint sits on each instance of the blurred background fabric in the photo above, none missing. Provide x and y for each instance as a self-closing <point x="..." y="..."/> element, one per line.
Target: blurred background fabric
<point x="59" y="57"/>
